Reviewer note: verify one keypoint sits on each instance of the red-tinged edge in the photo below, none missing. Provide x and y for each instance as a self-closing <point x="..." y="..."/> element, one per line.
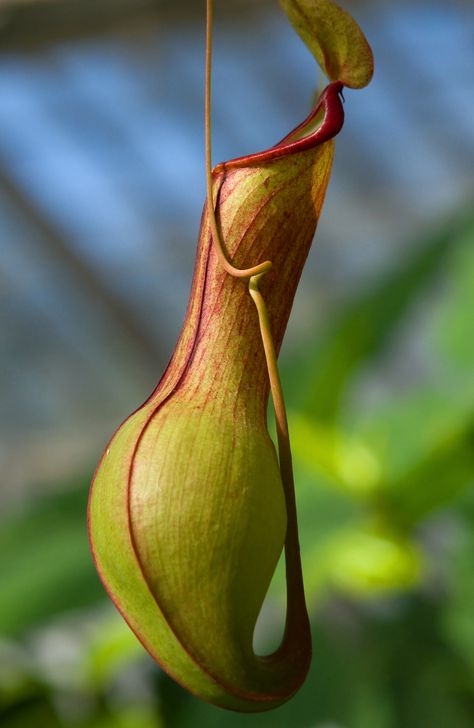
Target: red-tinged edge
<point x="330" y="102"/>
<point x="111" y="595"/>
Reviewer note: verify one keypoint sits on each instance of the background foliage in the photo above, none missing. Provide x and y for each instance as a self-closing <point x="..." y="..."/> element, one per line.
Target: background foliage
<point x="380" y="390"/>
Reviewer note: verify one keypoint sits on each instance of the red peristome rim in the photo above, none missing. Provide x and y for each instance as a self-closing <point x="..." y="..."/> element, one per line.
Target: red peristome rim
<point x="330" y="101"/>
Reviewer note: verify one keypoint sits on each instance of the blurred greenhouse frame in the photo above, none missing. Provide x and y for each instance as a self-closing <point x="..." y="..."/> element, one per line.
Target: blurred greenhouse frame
<point x="101" y="188"/>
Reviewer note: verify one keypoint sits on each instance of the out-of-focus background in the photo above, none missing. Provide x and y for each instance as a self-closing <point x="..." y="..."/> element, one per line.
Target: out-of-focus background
<point x="101" y="188"/>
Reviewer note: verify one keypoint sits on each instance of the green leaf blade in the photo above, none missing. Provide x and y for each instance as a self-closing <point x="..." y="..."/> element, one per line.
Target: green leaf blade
<point x="334" y="38"/>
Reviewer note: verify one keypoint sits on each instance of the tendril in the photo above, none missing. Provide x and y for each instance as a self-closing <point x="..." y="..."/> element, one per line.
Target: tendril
<point x="294" y="576"/>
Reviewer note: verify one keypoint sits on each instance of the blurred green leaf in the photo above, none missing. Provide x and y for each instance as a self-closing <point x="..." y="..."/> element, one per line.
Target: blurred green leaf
<point x="45" y="561"/>
<point x="453" y="323"/>
<point x="457" y="618"/>
<point x="436" y="480"/>
<point x="317" y="381"/>
<point x="113" y="648"/>
<point x="364" y="561"/>
<point x="340" y="460"/>
<point x="34" y="713"/>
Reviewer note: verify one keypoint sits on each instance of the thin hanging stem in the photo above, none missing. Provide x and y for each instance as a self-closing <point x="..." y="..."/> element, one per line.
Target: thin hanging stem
<point x="273" y="373"/>
<point x="223" y="259"/>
